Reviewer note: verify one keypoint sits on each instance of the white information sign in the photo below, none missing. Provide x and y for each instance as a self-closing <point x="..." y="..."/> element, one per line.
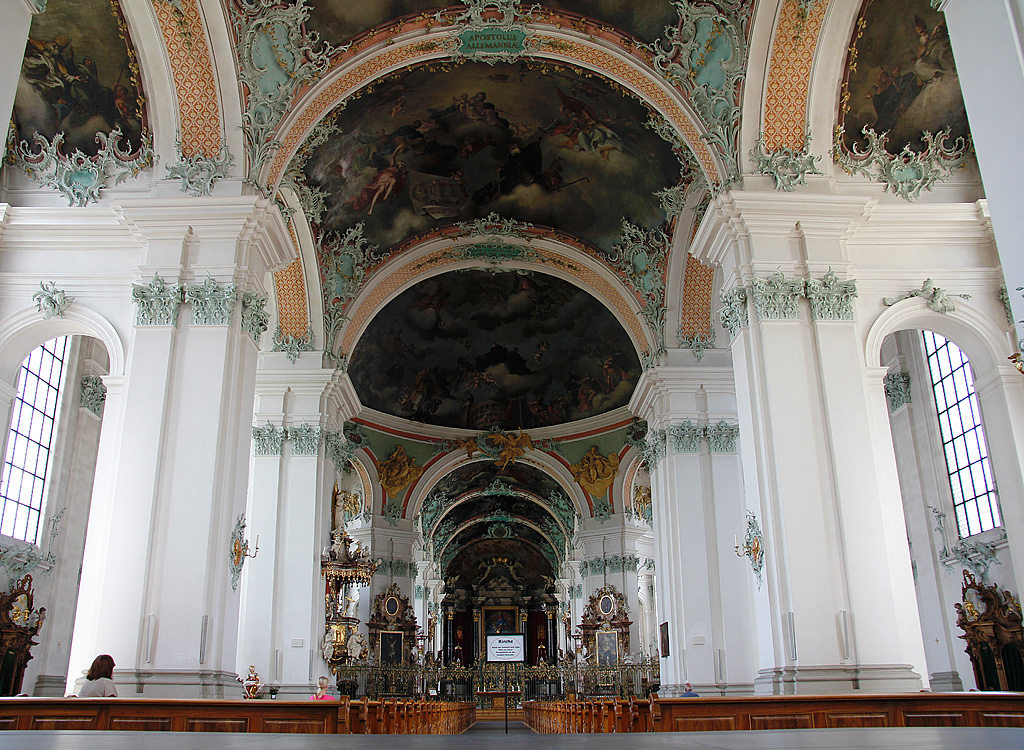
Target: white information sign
<point x="506" y="647"/>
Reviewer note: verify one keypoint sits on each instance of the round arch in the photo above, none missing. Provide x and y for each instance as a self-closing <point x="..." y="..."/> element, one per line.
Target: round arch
<point x="24" y="330"/>
<point x="986" y="345"/>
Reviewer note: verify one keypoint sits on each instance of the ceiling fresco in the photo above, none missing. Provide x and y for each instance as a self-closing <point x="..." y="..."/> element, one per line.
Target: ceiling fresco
<point x="79" y="77"/>
<point x="470" y="565"/>
<point x="900" y="76"/>
<point x="476" y="349"/>
<point x="537" y="143"/>
<point x="337" y="21"/>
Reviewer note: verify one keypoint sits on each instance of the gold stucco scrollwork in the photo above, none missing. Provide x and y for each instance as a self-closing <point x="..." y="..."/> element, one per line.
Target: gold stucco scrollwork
<point x="594" y="472"/>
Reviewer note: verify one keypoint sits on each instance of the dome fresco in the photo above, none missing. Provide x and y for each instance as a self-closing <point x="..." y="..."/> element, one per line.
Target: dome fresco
<point x="475" y="349"/>
<point x="537" y="143"/>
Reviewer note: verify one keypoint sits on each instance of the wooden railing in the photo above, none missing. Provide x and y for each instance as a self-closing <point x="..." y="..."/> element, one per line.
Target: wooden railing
<point x="777" y="712"/>
<point x="342" y="716"/>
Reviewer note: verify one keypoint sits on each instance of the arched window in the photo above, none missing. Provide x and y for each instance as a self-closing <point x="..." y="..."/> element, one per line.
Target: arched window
<point x="963" y="437"/>
<point x="33" y="416"/>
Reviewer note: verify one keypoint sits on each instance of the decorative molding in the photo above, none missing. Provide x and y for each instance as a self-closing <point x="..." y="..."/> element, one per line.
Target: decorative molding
<point x="975" y="556"/>
<point x="254" y="315"/>
<point x="157" y="303"/>
<point x="907" y="173"/>
<point x="494" y="253"/>
<point x="496" y="225"/>
<point x="935" y="297"/>
<point x="93" y="394"/>
<point x="489" y="31"/>
<point x="697" y="343"/>
<point x="897" y="390"/>
<point x="198" y="172"/>
<point x="78" y="177"/>
<point x="775" y="298"/>
<point x="733" y="312"/>
<point x="1004" y="300"/>
<point x="686" y="437"/>
<point x="830" y="298"/>
<point x="51" y="301"/>
<point x="267" y="440"/>
<point x="722" y="437"/>
<point x="292" y="345"/>
<point x="654" y="448"/>
<point x="400" y="568"/>
<point x="391" y="511"/>
<point x="276" y="59"/>
<point x="705" y="55"/>
<point x="212" y="304"/>
<point x="603" y="509"/>
<point x="788" y="167"/>
<point x="640" y="256"/>
<point x="673" y="199"/>
<point x="21" y="559"/>
<point x="598" y="566"/>
<point x="305" y="439"/>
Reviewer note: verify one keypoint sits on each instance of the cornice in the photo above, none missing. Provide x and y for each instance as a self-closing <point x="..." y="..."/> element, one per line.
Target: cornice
<point x="662" y="388"/>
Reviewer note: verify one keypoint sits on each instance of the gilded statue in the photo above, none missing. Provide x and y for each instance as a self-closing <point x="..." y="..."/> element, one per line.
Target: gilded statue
<point x="594" y="472"/>
<point x="397" y="472"/>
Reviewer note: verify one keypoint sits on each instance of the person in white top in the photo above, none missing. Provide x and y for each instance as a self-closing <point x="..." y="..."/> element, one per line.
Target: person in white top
<point x="99" y="682"/>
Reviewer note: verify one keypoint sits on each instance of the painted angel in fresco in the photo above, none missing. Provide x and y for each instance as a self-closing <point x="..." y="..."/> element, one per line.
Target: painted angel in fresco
<point x="584" y="130"/>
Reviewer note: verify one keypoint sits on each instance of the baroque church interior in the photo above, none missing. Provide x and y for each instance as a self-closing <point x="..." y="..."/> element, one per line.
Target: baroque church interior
<point x="336" y="337"/>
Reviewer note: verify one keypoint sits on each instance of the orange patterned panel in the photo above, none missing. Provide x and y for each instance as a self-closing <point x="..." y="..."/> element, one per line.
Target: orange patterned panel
<point x="789" y="77"/>
<point x="290" y="285"/>
<point x="596" y="59"/>
<point x="698" y="286"/>
<point x="192" y="68"/>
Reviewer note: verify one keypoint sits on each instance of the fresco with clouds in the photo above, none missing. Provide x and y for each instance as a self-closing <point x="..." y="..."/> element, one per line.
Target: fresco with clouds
<point x="539" y="144"/>
<point x="439" y="353"/>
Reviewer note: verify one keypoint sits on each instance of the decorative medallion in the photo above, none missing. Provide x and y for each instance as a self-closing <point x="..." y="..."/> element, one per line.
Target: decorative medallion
<point x="397" y="472"/>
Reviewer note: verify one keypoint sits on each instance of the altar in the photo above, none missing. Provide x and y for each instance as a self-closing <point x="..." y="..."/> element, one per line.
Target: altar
<point x="497" y="698"/>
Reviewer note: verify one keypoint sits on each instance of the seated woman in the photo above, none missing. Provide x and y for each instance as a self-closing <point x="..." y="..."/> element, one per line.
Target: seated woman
<point x="321" y="693"/>
<point x="99" y="682"/>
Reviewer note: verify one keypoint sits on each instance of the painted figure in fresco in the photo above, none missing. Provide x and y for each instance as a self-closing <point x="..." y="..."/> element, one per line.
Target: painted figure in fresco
<point x="47" y="68"/>
<point x="934" y="52"/>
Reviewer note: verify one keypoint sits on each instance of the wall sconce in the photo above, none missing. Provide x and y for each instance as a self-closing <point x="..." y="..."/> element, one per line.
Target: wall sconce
<point x="239" y="550"/>
<point x="753" y="547"/>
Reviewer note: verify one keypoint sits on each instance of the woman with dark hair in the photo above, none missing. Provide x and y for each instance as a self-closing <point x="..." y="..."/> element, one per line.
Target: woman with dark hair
<point x="99" y="682"/>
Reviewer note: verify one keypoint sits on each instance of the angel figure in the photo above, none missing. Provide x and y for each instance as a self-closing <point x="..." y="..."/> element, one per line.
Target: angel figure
<point x="510" y="448"/>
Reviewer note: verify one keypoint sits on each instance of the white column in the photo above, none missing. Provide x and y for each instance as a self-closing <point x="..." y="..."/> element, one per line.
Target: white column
<point x="986" y="40"/>
<point x="697" y="510"/>
<point x="174" y="453"/>
<point x="818" y="461"/>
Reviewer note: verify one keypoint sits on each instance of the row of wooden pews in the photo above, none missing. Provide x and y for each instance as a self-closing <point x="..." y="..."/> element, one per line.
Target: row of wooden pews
<point x="342" y="716"/>
<point x="589" y="716"/>
<point x="712" y="714"/>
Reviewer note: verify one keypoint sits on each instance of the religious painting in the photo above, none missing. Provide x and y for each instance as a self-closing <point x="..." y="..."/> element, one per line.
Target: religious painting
<point x="900" y="76"/>
<point x="663" y="632"/>
<point x="391" y="647"/>
<point x="340" y="20"/>
<point x="435" y="353"/>
<point x="499" y="620"/>
<point x="533" y="142"/>
<point x="607" y="648"/>
<point x="79" y="77"/>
